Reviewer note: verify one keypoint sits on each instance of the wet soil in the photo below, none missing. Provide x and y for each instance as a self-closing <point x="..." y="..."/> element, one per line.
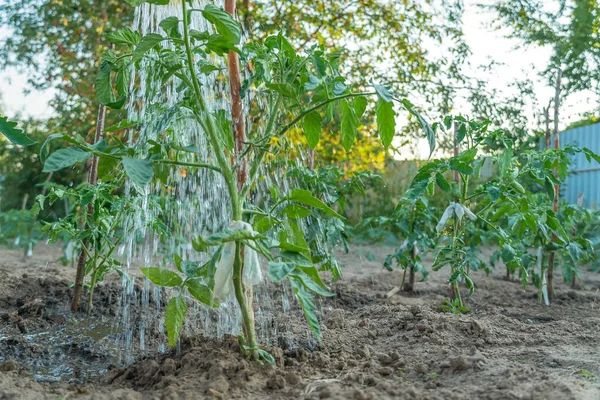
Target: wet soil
<point x="375" y="347"/>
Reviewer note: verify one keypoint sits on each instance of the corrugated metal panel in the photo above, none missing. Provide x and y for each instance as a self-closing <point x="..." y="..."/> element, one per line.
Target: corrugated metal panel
<point x="584" y="176"/>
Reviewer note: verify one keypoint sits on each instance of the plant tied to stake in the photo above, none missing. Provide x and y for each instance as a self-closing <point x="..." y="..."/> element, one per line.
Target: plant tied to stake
<point x="300" y="89"/>
<point x="517" y="217"/>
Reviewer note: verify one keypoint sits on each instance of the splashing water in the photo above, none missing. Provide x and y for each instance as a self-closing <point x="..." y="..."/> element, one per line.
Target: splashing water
<point x="193" y="202"/>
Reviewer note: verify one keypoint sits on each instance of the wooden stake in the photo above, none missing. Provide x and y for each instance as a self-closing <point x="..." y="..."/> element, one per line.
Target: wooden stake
<point x="237" y="111"/>
<point x="547" y="118"/>
<point x="556" y="186"/>
<point x="92" y="180"/>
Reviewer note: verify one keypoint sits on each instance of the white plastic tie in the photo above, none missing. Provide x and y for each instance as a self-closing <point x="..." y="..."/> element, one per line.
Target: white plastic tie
<point x="454" y="209"/>
<point x="223" y="289"/>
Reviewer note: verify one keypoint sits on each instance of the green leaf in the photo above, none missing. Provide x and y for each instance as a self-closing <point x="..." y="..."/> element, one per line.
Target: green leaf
<point x="470" y="284"/>
<point x="122" y="84"/>
<point x="429" y="132"/>
<point x="453" y="278"/>
<point x="549" y="186"/>
<point x="162" y="277"/>
<point x="266" y="356"/>
<point x="467" y="156"/>
<point x="264" y="224"/>
<point x="220" y="45"/>
<point x="124" y="36"/>
<point x="307" y="307"/>
<point x="562" y="170"/>
<point x="589" y="154"/>
<point x="360" y="105"/>
<point x="14" y="134"/>
<point x="575" y="251"/>
<point x="103" y="85"/>
<point x="292" y="238"/>
<point x="278" y="270"/>
<point x="506" y="161"/>
<point x="310" y="284"/>
<point x="296" y="211"/>
<point x="64" y="158"/>
<point x="349" y="125"/>
<point x="201" y="292"/>
<point x="493" y="192"/>
<point x="311" y="124"/>
<point x="305" y="197"/>
<point x="460" y="166"/>
<point x="106" y="165"/>
<point x="284" y="89"/>
<point x="442" y="182"/>
<point x="139" y="171"/>
<point x="174" y="317"/>
<point x="223" y="22"/>
<point x="508" y="253"/>
<point x="147" y="43"/>
<point x="461" y="132"/>
<point x="226" y="129"/>
<point x="386" y="121"/>
<point x="383" y="93"/>
<point x="171" y="26"/>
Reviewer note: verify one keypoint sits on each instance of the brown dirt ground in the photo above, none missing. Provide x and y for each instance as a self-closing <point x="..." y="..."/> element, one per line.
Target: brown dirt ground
<point x="402" y="347"/>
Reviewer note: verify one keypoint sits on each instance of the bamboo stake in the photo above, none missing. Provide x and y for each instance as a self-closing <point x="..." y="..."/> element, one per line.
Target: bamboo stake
<point x="92" y="180"/>
<point x="551" y="257"/>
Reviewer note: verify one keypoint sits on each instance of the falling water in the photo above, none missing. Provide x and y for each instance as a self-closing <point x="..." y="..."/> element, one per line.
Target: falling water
<point x="193" y="202"/>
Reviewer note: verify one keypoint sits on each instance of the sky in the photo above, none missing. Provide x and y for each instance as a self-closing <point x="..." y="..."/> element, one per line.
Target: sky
<point x="485" y="44"/>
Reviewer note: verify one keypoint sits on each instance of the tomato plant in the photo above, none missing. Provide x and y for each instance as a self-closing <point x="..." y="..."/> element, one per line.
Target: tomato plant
<point x="518" y="218"/>
<point x="299" y="89"/>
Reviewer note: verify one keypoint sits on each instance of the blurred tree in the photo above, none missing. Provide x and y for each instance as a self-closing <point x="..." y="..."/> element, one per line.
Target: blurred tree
<point x="570" y="27"/>
<point x="58" y="43"/>
<point x="55" y="43"/>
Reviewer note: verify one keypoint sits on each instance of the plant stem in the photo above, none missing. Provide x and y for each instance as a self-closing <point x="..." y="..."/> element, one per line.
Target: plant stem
<point x="243" y="295"/>
<point x="93" y="283"/>
<point x="247" y="314"/>
<point x="255" y="167"/>
<point x="207" y="121"/>
<point x="411" y="273"/>
<point x="287" y="127"/>
<point x="189" y="164"/>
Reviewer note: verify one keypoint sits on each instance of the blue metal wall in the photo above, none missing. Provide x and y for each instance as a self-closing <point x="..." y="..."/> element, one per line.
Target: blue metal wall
<point x="584" y="176"/>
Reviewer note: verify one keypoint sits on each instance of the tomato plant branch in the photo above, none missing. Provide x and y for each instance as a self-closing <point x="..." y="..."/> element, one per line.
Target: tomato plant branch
<point x="207" y="122"/>
<point x="322" y="104"/>
<point x="255" y="167"/>
<point x="188" y="164"/>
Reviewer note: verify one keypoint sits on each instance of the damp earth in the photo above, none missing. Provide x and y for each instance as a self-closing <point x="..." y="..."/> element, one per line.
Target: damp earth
<point x="375" y="347"/>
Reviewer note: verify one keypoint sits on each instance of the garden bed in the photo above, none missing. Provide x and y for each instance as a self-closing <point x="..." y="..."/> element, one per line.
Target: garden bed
<point x="378" y="347"/>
